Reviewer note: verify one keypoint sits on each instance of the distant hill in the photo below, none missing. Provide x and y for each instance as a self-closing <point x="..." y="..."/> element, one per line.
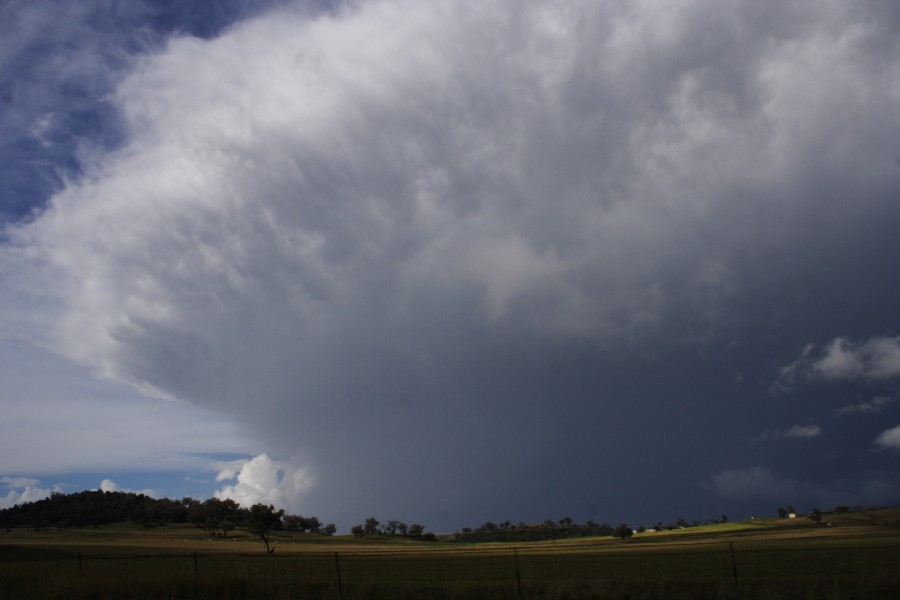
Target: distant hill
<point x="92" y="508"/>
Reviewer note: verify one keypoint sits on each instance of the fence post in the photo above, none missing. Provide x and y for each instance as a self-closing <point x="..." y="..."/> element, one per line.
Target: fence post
<point x="518" y="575"/>
<point x="196" y="570"/>
<point x="733" y="564"/>
<point x="337" y="568"/>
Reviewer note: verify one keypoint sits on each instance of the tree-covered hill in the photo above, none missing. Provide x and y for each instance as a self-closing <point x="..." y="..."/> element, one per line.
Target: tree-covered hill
<point x="93" y="508"/>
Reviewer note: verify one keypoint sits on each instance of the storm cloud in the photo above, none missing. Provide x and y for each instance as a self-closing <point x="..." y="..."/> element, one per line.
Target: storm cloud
<point x="440" y="254"/>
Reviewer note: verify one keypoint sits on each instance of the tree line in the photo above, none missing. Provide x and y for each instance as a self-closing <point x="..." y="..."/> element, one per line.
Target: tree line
<point x="566" y="527"/>
<point x="373" y="526"/>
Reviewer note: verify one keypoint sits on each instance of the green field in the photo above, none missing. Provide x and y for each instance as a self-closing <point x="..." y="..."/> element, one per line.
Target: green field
<point x="857" y="556"/>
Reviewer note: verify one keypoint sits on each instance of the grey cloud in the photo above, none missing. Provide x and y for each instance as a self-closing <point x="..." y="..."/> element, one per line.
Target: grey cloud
<point x="409" y="237"/>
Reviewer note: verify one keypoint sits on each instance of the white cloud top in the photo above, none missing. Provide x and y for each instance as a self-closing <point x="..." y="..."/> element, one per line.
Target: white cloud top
<point x="108" y="485"/>
<point x="266" y="481"/>
<point x="21" y="491"/>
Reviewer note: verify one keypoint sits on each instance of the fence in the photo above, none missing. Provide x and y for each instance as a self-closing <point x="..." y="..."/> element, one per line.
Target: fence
<point x="514" y="571"/>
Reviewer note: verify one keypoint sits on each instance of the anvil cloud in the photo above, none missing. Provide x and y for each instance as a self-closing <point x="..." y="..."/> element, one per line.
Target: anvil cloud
<point x="442" y="254"/>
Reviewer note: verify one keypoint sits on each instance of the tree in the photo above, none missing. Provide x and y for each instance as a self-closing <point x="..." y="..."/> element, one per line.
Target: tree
<point x="395" y="527"/>
<point x="358" y="530"/>
<point x="219" y="514"/>
<point x="293" y="523"/>
<point x="782" y="513"/>
<point x="417" y="530"/>
<point x="328" y="529"/>
<point x="371" y="526"/>
<point x="263" y="519"/>
<point x="623" y="531"/>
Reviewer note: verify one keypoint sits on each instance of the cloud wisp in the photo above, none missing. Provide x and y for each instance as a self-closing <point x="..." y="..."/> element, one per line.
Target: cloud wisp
<point x="874" y="406"/>
<point x="797" y="432"/>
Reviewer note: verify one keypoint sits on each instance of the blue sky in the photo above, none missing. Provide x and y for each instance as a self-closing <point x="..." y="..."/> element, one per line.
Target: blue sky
<point x="622" y="262"/>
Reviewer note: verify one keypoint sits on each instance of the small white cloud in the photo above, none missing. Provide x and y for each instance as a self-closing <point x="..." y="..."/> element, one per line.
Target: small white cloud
<point x="840" y="361"/>
<point x="802" y="432"/>
<point x="108" y="485"/>
<point x="875" y="359"/>
<point x="266" y="481"/>
<point x="21" y="490"/>
<point x="889" y="438"/>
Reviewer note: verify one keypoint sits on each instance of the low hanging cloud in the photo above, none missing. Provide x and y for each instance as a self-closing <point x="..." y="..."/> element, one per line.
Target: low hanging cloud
<point x="361" y="234"/>
<point x="875" y="359"/>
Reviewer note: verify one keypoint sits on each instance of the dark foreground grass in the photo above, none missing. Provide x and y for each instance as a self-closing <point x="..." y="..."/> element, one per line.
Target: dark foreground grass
<point x="838" y="568"/>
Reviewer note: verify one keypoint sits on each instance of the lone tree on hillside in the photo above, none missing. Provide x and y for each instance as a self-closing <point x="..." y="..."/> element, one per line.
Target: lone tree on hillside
<point x="263" y="519"/>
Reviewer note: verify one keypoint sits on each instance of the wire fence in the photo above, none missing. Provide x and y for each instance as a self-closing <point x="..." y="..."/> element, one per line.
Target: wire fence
<point x="516" y="568"/>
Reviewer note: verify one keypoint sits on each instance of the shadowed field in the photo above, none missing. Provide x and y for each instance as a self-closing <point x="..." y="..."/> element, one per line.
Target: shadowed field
<point x="858" y="556"/>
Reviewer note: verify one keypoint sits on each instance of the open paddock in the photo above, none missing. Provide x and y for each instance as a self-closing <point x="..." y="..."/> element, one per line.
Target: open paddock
<point x="838" y="563"/>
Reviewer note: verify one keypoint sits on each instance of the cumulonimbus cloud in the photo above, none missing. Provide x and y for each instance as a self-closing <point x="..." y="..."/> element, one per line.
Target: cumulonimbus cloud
<point x="373" y="224"/>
